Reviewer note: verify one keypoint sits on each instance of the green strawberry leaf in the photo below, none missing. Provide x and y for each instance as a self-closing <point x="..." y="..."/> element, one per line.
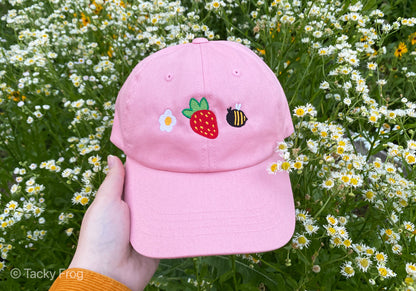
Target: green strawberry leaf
<point x="188" y="112"/>
<point x="194" y="105"/>
<point x="203" y="105"/>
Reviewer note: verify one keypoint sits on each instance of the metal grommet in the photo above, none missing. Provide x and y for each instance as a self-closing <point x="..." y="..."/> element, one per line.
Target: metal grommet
<point x="169" y="77"/>
<point x="236" y="72"/>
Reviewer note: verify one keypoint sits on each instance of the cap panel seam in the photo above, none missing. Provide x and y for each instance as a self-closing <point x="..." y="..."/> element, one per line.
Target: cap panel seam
<point x="127" y="96"/>
<point x="206" y="157"/>
<point x="271" y="77"/>
<point x="270" y="74"/>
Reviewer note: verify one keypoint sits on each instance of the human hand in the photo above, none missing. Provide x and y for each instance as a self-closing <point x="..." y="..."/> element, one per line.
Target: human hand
<point x="103" y="244"/>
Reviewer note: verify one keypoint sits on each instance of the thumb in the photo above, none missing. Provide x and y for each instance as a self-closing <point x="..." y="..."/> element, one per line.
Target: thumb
<point x="112" y="187"/>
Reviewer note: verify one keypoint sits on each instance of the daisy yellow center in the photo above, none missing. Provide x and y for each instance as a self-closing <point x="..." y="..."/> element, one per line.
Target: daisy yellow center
<point x="349" y="270"/>
<point x="282" y="147"/>
<point x="369" y="251"/>
<point x="302" y="216"/>
<point x="369" y="194"/>
<point x="328" y="183"/>
<point x="383" y="272"/>
<point x="408" y="280"/>
<point x="273" y="167"/>
<point x="302" y="240"/>
<point x="168" y="120"/>
<point x="380" y="257"/>
<point x="300" y="112"/>
<point x="297" y="165"/>
<point x="285" y="166"/>
<point x="332" y="230"/>
<point x="364" y="263"/>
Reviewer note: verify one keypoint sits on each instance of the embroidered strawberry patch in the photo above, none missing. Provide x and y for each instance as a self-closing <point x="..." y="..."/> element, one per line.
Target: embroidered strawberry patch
<point x="202" y="120"/>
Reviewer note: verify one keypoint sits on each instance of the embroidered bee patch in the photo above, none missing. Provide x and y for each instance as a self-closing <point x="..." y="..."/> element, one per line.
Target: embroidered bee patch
<point x="236" y="117"/>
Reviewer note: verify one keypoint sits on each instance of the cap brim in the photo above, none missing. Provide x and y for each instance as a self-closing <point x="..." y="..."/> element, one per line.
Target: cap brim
<point x="197" y="214"/>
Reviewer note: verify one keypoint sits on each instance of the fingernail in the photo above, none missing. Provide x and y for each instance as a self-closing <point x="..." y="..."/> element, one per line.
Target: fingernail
<point x="110" y="161"/>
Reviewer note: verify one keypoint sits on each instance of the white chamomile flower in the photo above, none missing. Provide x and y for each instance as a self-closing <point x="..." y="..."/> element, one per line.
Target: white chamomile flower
<point x="167" y="121"/>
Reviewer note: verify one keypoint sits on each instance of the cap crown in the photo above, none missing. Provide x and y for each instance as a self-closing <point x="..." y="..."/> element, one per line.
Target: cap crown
<point x="157" y="124"/>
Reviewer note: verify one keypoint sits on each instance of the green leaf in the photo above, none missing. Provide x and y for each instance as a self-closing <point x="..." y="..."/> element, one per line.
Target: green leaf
<point x="226" y="276"/>
<point x="188" y="112"/>
<point x="203" y="105"/>
<point x="194" y="105"/>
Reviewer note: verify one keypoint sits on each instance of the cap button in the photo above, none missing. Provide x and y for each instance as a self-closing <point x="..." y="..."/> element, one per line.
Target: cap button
<point x="199" y="40"/>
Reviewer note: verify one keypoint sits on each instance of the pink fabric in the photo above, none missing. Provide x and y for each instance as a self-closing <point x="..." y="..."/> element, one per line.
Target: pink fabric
<point x="190" y="195"/>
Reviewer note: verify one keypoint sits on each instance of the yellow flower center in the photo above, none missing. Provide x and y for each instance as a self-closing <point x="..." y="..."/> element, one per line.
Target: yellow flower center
<point x="168" y="120"/>
<point x="285" y="166"/>
<point x="364" y="263"/>
<point x="383" y="272"/>
<point x="302" y="240"/>
<point x="408" y="280"/>
<point x="84" y="200"/>
<point x="369" y="194"/>
<point x="297" y="165"/>
<point x="300" y="112"/>
<point x="380" y="257"/>
<point x="328" y="183"/>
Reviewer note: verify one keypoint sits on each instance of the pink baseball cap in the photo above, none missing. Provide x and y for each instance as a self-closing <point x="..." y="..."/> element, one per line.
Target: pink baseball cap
<point x="199" y="124"/>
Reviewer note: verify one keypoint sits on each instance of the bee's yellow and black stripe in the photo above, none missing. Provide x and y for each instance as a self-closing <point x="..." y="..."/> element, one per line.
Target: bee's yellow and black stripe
<point x="236" y="118"/>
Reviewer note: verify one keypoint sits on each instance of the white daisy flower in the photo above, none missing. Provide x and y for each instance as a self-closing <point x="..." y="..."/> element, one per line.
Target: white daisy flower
<point x="167" y="121"/>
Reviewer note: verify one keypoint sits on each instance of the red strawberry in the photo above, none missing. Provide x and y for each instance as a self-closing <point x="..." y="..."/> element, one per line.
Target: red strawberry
<point x="203" y="121"/>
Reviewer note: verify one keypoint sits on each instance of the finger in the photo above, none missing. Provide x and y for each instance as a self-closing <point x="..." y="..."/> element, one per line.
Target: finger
<point x="112" y="187"/>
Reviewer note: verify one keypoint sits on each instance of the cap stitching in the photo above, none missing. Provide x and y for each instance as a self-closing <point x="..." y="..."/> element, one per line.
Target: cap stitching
<point x="206" y="157"/>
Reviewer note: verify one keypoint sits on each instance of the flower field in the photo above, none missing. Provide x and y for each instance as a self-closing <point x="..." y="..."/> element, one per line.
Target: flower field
<point x="348" y="69"/>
